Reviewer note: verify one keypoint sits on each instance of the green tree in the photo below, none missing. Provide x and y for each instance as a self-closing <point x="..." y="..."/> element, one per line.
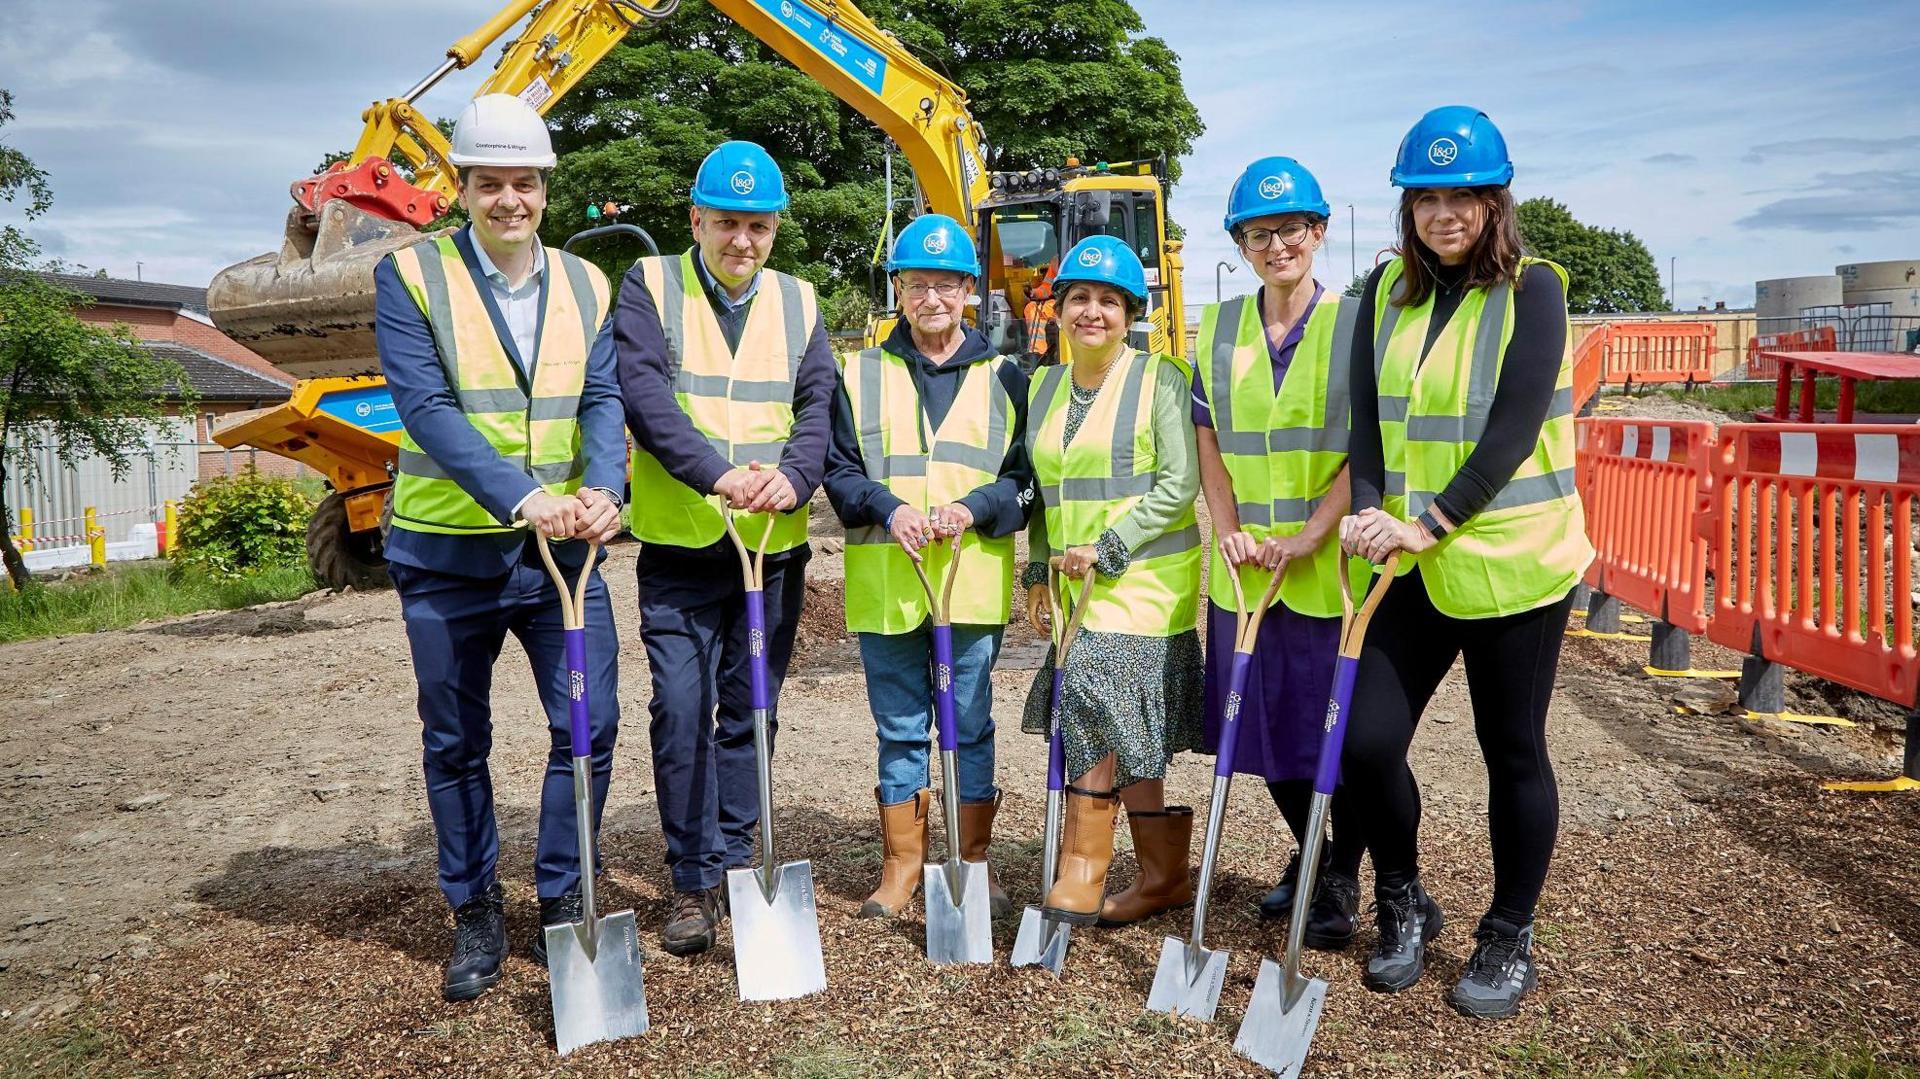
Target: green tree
<point x="1608" y="270"/>
<point x="1046" y="81"/>
<point x="1357" y="287"/>
<point x="81" y="389"/>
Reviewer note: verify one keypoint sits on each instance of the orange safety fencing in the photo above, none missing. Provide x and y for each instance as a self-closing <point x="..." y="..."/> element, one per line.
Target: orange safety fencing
<point x="1761" y="365"/>
<point x="1812" y="550"/>
<point x="1589" y="364"/>
<point x="1659" y="352"/>
<point x="1644" y="484"/>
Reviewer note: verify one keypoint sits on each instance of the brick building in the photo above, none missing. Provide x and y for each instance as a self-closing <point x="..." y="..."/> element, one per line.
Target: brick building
<point x="226" y="377"/>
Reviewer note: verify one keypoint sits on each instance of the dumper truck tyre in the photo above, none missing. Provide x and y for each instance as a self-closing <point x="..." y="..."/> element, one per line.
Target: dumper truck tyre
<point x="340" y="557"/>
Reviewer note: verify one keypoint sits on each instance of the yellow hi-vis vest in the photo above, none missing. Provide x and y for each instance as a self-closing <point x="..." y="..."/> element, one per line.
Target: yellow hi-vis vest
<point x="1529" y="545"/>
<point x="924" y="469"/>
<point x="741" y="399"/>
<point x="1282" y="450"/>
<point x="534" y="427"/>
<point x="1090" y="485"/>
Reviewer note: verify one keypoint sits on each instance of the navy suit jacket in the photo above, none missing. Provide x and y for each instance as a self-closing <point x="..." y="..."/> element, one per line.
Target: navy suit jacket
<point x="431" y="414"/>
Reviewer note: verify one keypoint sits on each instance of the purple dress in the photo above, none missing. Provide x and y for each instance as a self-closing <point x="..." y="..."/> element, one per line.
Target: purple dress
<point x="1285" y="703"/>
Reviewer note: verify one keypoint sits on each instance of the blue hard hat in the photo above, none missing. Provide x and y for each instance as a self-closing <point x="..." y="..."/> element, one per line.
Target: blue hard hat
<point x="934" y="242"/>
<point x="1103" y="260"/>
<point x="740" y="176"/>
<point x="1453" y="146"/>
<point x="1274" y="185"/>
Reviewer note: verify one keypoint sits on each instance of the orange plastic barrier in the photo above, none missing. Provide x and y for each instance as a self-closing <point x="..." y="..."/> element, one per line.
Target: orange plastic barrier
<point x="1584" y="444"/>
<point x="1659" y="352"/>
<point x="1589" y="365"/>
<point x="1812" y="550"/>
<point x="1649" y="485"/>
<point x="1760" y="365"/>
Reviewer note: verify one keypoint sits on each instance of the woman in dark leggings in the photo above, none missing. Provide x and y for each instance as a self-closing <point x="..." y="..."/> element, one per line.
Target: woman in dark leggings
<point x="1462" y="457"/>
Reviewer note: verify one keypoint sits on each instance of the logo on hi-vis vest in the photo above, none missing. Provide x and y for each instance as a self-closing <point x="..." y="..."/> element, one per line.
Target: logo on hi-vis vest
<point x="936" y="243"/>
<point x="1272" y="187"/>
<point x="743" y="182"/>
<point x="1442" y="152"/>
<point x="1090" y="257"/>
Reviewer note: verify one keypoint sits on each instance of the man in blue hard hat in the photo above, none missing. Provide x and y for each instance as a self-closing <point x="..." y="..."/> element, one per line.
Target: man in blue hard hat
<point x="728" y="381"/>
<point x="929" y="443"/>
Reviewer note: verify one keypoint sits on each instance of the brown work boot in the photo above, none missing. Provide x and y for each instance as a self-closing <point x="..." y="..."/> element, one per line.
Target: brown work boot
<point x="693" y="920"/>
<point x="903" y="839"/>
<point x="1086" y="850"/>
<point x="976" y="831"/>
<point x="1162" y="844"/>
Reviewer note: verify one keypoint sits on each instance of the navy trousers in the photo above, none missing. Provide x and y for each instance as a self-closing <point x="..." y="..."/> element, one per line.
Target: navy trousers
<point x="456" y="627"/>
<point x="693" y="621"/>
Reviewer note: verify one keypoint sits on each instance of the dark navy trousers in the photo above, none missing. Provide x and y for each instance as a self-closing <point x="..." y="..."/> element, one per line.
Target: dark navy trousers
<point x="456" y="627"/>
<point x="693" y="621"/>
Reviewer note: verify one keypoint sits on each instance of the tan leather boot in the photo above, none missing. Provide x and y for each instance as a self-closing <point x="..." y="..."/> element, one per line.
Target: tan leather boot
<point x="1086" y="850"/>
<point x="976" y="830"/>
<point x="1162" y="844"/>
<point x="903" y="838"/>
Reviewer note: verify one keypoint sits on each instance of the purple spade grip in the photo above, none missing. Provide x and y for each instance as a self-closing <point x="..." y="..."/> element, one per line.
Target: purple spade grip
<point x="943" y="687"/>
<point x="1056" y="752"/>
<point x="1335" y="737"/>
<point x="1230" y="723"/>
<point x="757" y="648"/>
<point x="576" y="643"/>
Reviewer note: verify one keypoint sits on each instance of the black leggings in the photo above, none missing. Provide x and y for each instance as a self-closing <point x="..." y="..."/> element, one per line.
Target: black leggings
<point x="1510" y="669"/>
<point x="1346" y="846"/>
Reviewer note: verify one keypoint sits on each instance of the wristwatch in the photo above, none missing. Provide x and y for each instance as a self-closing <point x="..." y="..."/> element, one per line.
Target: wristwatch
<point x="1431" y="524"/>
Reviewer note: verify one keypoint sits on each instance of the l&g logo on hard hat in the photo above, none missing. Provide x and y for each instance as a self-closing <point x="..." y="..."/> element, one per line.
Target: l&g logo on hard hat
<point x="743" y="182"/>
<point x="1442" y="152"/>
<point x="1090" y="257"/>
<point x="936" y="243"/>
<point x="1272" y="187"/>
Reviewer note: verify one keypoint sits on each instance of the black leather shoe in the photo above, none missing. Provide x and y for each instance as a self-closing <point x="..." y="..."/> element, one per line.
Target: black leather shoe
<point x="479" y="945"/>
<point x="1330" y="920"/>
<point x="1279" y="902"/>
<point x="562" y="910"/>
<point x="693" y="921"/>
<point x="1409" y="920"/>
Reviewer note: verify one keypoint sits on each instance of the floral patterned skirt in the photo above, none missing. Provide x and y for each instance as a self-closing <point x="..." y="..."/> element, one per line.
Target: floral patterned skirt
<point x="1139" y="698"/>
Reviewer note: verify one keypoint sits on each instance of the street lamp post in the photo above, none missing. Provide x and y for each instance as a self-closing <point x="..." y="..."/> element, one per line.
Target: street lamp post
<point x="1218" y="266"/>
<point x="1353" y="246"/>
<point x="1673" y="285"/>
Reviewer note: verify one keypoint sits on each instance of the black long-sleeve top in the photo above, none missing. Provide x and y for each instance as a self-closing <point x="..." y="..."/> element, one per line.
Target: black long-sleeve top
<point x="1528" y="373"/>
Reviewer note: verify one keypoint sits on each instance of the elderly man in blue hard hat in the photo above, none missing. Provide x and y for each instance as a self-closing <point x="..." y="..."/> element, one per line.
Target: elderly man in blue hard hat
<point x="928" y="444"/>
<point x="728" y="382"/>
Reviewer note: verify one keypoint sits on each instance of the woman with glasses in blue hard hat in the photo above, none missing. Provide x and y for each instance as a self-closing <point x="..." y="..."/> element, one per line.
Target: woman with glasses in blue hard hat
<point x="1270" y="406"/>
<point x="1112" y="449"/>
<point x="1462" y="457"/>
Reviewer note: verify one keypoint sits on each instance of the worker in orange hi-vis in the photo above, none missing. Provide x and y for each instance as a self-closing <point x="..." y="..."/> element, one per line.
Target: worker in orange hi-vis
<point x="1043" y="321"/>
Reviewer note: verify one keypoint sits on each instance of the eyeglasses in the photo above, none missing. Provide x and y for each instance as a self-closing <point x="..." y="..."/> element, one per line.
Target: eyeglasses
<point x="1292" y="235"/>
<point x="946" y="290"/>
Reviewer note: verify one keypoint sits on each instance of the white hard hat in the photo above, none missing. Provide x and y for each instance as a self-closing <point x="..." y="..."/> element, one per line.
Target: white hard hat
<point x="501" y="129"/>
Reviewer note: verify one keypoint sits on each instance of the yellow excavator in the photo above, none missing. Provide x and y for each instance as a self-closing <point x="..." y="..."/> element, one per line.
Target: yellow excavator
<point x="308" y="308"/>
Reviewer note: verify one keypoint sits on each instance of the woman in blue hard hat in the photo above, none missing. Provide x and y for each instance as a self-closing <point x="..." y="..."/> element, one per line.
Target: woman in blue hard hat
<point x="929" y="433"/>
<point x="1112" y="448"/>
<point x="1270" y="406"/>
<point x="1462" y="457"/>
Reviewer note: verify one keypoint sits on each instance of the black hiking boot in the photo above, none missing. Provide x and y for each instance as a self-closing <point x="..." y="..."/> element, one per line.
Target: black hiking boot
<point x="479" y="945"/>
<point x="693" y="921"/>
<point x="1330" y="920"/>
<point x="1409" y="920"/>
<point x="561" y="910"/>
<point x="1499" y="974"/>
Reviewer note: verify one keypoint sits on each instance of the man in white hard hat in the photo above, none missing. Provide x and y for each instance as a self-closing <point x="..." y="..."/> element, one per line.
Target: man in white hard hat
<point x="514" y="436"/>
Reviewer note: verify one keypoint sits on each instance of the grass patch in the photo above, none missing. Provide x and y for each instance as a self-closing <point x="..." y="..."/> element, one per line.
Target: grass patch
<point x="72" y="1048"/>
<point x="1895" y="397"/>
<point x="123" y="596"/>
<point x="1671" y="1057"/>
<point x="822" y="1062"/>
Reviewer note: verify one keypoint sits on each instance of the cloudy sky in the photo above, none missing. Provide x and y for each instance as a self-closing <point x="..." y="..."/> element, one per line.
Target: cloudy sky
<point x="1747" y="141"/>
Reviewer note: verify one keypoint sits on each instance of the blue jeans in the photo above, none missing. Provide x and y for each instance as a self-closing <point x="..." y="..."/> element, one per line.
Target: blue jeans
<point x="900" y="692"/>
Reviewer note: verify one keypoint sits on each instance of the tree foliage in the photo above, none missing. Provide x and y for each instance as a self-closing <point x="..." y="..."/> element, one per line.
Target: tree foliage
<point x="1045" y="80"/>
<point x="1609" y="270"/>
<point x="80" y="389"/>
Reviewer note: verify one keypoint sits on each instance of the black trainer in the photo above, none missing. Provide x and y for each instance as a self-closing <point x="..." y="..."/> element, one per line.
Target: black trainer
<point x="1499" y="974"/>
<point x="479" y="945"/>
<point x="1330" y="920"/>
<point x="561" y="910"/>
<point x="693" y="921"/>
<point x="1409" y="920"/>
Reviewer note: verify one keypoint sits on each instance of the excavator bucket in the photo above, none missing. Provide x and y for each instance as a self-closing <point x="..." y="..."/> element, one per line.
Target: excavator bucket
<point x="309" y="308"/>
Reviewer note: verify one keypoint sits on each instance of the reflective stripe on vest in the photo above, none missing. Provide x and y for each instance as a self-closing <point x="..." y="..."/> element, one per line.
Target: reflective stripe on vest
<point x="1283" y="449"/>
<point x="1528" y="546"/>
<point x="537" y="432"/>
<point x="1091" y="484"/>
<point x="740" y="399"/>
<point x="926" y="469"/>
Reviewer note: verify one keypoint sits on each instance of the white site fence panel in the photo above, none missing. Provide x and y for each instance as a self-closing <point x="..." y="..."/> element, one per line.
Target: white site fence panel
<point x="58" y="491"/>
